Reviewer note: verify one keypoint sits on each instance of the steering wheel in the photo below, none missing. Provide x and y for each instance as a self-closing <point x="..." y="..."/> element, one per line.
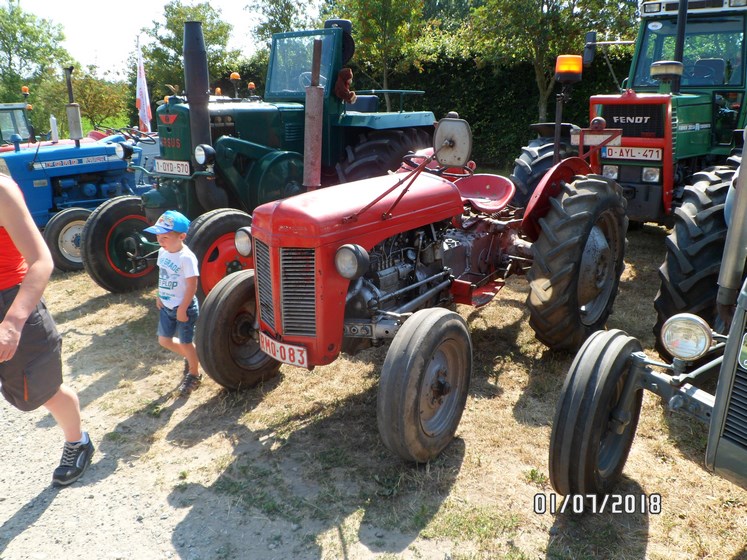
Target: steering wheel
<point x="415" y="160"/>
<point x="304" y="79"/>
<point x="138" y="135"/>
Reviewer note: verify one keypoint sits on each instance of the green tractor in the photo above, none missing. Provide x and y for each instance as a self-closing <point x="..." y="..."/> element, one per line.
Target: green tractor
<point x="221" y="156"/>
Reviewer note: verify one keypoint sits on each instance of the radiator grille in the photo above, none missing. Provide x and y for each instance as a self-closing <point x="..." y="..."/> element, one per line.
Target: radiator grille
<point x="298" y="285"/>
<point x="293" y="133"/>
<point x="735" y="427"/>
<point x="637" y="121"/>
<point x="264" y="282"/>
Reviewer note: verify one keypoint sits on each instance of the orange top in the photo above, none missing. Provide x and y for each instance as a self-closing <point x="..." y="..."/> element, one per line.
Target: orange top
<point x="13" y="266"/>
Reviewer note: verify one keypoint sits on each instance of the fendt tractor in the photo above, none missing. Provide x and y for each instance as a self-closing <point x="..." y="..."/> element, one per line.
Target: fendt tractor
<point x="385" y="259"/>
<point x="222" y="156"/>
<point x="678" y="111"/>
<point x="600" y="402"/>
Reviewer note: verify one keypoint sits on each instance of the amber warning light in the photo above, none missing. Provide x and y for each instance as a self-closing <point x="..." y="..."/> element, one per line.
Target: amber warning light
<point x="568" y="68"/>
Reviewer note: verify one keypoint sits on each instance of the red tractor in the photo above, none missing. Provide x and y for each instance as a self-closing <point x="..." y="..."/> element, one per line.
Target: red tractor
<point x="357" y="265"/>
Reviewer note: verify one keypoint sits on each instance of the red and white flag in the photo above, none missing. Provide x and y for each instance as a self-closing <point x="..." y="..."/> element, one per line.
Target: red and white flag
<point x="142" y="99"/>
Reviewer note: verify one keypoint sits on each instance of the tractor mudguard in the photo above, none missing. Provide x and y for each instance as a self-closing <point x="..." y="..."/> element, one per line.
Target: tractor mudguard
<point x="548" y="187"/>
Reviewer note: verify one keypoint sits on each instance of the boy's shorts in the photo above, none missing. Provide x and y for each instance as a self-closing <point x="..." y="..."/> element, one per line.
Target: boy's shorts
<point x="169" y="327"/>
<point x="34" y="374"/>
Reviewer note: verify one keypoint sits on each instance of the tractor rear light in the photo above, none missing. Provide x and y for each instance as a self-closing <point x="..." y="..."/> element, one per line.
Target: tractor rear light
<point x="243" y="241"/>
<point x="686" y="336"/>
<point x="204" y="154"/>
<point x="123" y="150"/>
<point x="611" y="171"/>
<point x="650" y="174"/>
<point x="352" y="261"/>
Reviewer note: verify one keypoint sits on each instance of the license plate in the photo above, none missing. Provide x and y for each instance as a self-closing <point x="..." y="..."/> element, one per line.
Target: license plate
<point x="286" y="353"/>
<point x="172" y="167"/>
<point x="622" y="152"/>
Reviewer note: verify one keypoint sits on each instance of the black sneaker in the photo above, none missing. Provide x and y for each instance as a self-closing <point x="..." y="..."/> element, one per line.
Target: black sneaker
<point x="189" y="384"/>
<point x="75" y="460"/>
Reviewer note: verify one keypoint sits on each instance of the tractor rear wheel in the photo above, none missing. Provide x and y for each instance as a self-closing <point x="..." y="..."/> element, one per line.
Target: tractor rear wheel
<point x="225" y="336"/>
<point x="529" y="168"/>
<point x="694" y="248"/>
<point x="588" y="445"/>
<point x="112" y="233"/>
<point x="380" y="151"/>
<point x="578" y="260"/>
<point x="62" y="234"/>
<point x="210" y="237"/>
<point x="424" y="384"/>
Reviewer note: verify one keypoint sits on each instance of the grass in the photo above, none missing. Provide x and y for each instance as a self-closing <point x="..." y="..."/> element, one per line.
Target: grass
<point x="297" y="463"/>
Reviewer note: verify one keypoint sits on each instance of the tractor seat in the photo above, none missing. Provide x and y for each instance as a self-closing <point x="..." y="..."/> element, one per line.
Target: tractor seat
<point x="486" y="193"/>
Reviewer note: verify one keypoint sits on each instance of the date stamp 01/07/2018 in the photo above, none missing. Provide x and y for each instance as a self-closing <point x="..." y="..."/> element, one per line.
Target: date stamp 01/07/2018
<point x="593" y="503"/>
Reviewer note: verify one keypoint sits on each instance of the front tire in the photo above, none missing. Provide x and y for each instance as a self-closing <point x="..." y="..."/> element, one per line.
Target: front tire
<point x="578" y="260"/>
<point x="113" y="230"/>
<point x="226" y="340"/>
<point x="424" y="384"/>
<point x="63" y="234"/>
<point x="587" y="454"/>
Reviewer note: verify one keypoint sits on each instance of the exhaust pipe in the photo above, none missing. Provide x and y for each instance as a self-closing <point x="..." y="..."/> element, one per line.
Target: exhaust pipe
<point x="197" y="86"/>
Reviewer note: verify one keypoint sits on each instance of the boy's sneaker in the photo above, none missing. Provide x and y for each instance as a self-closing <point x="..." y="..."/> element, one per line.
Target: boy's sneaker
<point x="189" y="384"/>
<point x="75" y="460"/>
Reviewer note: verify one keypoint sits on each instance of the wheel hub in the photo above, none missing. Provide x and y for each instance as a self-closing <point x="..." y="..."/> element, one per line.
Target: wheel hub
<point x="595" y="270"/>
<point x="243" y="328"/>
<point x="440" y="388"/>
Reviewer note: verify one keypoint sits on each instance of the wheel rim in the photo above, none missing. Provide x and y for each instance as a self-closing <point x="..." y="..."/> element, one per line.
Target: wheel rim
<point x="126" y="231"/>
<point x="440" y="389"/>
<point x="243" y="345"/>
<point x="69" y="241"/>
<point x="220" y="260"/>
<point x="597" y="270"/>
<point x="611" y="444"/>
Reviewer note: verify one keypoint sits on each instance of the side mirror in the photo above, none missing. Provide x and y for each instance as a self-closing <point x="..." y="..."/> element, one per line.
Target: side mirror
<point x="590" y="48"/>
<point x="452" y="142"/>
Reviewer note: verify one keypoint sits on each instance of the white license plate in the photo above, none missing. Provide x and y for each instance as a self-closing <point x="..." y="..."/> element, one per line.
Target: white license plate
<point x="623" y="152"/>
<point x="172" y="167"/>
<point x="286" y="353"/>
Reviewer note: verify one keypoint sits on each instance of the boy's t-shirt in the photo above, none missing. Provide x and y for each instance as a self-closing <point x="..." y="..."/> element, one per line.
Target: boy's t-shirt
<point x="173" y="270"/>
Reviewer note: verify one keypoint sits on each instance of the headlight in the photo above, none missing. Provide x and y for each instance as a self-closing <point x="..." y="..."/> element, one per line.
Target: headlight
<point x="243" y="241"/>
<point x="686" y="336"/>
<point x="351" y="261"/>
<point x="650" y="174"/>
<point x="122" y="150"/>
<point x="610" y="171"/>
<point x="204" y="154"/>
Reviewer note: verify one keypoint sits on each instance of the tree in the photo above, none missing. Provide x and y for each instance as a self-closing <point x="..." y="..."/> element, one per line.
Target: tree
<point x="279" y="16"/>
<point x="29" y="47"/>
<point x="539" y="30"/>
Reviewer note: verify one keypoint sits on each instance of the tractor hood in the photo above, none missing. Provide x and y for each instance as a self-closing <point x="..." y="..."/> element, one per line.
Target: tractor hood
<point x="361" y="208"/>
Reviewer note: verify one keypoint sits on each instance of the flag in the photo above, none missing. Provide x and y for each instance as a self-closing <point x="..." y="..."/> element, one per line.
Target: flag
<point x="142" y="100"/>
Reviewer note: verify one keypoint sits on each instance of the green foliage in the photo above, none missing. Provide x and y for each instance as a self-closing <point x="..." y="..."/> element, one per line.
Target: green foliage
<point x="279" y="16"/>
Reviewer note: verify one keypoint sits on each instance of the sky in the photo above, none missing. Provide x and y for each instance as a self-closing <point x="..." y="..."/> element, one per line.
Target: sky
<point x="105" y="33"/>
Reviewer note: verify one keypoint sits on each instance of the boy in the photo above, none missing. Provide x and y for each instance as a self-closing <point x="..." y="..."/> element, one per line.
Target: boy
<point x="30" y="346"/>
<point x="177" y="286"/>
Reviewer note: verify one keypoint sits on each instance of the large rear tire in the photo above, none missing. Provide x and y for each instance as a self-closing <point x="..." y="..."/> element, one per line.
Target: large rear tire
<point x="529" y="168"/>
<point x="578" y="260"/>
<point x="112" y="231"/>
<point x="380" y="151"/>
<point x="694" y="248"/>
<point x="210" y="238"/>
<point x="63" y="234"/>
<point x="225" y="337"/>
<point x="587" y="454"/>
<point x="424" y="384"/>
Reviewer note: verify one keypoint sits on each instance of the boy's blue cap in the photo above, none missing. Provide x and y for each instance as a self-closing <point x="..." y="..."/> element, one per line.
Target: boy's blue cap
<point x="171" y="220"/>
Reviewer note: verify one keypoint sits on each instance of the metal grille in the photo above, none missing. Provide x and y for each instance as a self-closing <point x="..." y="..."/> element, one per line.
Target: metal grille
<point x="264" y="282"/>
<point x="646" y="121"/>
<point x="298" y="285"/>
<point x="735" y="427"/>
<point x="293" y="133"/>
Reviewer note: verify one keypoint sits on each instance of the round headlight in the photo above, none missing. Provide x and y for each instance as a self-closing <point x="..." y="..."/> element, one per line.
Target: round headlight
<point x="122" y="150"/>
<point x="351" y="261"/>
<point x="204" y="154"/>
<point x="243" y="241"/>
<point x="686" y="336"/>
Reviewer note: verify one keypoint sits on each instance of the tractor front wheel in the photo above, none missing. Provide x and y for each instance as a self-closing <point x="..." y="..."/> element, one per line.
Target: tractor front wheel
<point x="424" y="384"/>
<point x="113" y="246"/>
<point x="593" y="430"/>
<point x="63" y="234"/>
<point x="210" y="237"/>
<point x="226" y="338"/>
<point x="578" y="260"/>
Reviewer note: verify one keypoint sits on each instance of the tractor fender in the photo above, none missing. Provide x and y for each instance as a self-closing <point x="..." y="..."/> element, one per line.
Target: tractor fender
<point x="548" y="187"/>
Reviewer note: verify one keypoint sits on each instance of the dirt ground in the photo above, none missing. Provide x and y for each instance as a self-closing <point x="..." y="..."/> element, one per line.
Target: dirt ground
<point x="295" y="468"/>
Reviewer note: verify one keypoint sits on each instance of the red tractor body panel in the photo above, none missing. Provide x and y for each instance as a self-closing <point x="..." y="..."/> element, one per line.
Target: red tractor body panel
<point x="301" y="296"/>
